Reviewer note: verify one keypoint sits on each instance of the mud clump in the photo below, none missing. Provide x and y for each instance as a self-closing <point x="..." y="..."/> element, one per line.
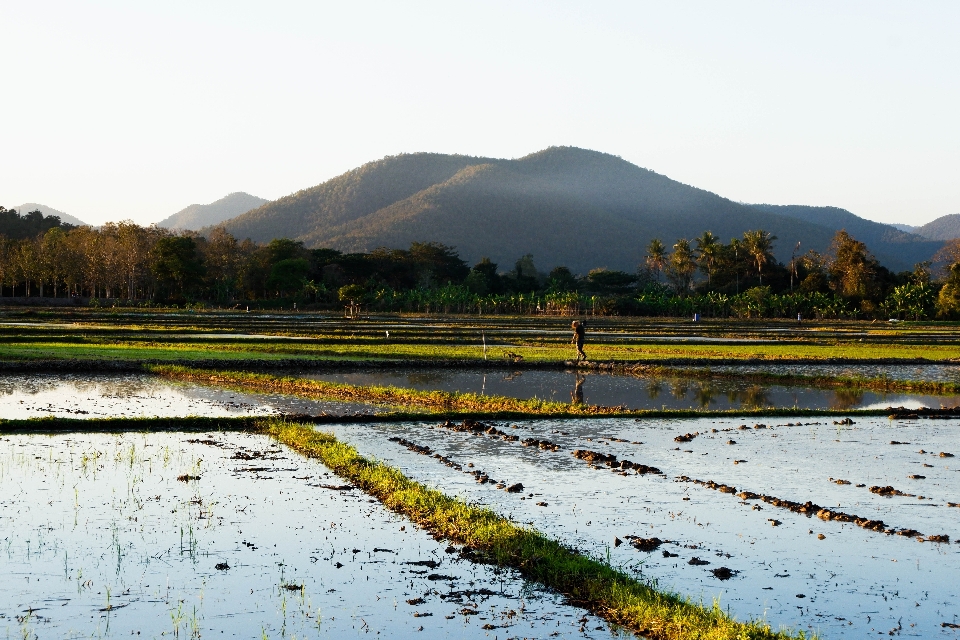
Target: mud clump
<point x="611" y="461"/>
<point x="723" y="573"/>
<point x="645" y="544"/>
<point x="515" y="488"/>
<point x="687" y="437"/>
<point x="944" y="454"/>
<point x="480" y="428"/>
<point x="697" y="562"/>
<point x="186" y="477"/>
<point x="889" y="491"/>
<point x="810" y="508"/>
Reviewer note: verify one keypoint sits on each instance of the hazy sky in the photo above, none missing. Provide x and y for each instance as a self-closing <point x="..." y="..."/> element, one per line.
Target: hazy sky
<point x="134" y="110"/>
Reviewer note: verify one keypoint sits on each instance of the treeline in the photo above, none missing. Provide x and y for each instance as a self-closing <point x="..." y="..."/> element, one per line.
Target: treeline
<point x="29" y="225"/>
<point x="131" y="264"/>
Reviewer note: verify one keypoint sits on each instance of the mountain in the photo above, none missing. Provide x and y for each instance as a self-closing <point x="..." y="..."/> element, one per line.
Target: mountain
<point x="894" y="248"/>
<point x="566" y="206"/>
<point x="197" y="216"/>
<point x="909" y="228"/>
<point x="943" y="228"/>
<point x="50" y="211"/>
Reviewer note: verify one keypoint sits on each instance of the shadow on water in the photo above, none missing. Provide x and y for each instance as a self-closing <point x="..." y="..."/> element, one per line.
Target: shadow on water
<point x="660" y="392"/>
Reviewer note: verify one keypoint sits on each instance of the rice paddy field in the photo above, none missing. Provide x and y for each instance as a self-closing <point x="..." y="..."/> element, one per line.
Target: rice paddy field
<point x="175" y="474"/>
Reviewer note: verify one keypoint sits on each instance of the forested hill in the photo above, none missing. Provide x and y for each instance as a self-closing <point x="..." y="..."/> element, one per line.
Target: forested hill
<point x="197" y="216"/>
<point x="943" y="228"/>
<point x="890" y="245"/>
<point x="566" y="206"/>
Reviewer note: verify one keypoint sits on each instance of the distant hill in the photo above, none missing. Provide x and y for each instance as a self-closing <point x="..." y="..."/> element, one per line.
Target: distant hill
<point x="943" y="228"/>
<point x="566" y="206"/>
<point x="197" y="216"/>
<point x="909" y="228"/>
<point x="50" y="211"/>
<point x="894" y="248"/>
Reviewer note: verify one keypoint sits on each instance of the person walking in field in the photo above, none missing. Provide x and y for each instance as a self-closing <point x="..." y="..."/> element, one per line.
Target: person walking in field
<point x="579" y="329"/>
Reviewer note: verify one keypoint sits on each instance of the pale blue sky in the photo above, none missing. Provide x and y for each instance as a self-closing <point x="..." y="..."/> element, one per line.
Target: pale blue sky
<point x="116" y="110"/>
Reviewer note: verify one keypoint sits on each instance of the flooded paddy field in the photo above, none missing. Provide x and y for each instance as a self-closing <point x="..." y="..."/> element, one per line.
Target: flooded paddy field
<point x="635" y="392"/>
<point x="86" y="395"/>
<point x="915" y="372"/>
<point x="846" y="529"/>
<point x="232" y="535"/>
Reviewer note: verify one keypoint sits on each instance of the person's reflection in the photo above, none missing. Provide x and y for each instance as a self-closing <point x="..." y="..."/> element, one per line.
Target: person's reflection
<point x="576" y="396"/>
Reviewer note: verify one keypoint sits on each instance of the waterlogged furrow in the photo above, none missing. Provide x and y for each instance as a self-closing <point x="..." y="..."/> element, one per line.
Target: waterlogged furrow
<point x="595" y="585"/>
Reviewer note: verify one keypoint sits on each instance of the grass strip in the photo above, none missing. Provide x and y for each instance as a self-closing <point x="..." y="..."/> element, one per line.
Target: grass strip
<point x="586" y="582"/>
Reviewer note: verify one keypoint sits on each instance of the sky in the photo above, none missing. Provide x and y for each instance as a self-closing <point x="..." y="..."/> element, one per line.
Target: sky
<point x="134" y="110"/>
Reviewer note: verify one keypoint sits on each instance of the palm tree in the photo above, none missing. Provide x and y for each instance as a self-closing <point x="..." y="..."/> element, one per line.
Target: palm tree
<point x="758" y="245"/>
<point x="708" y="251"/>
<point x="656" y="257"/>
<point x="681" y="266"/>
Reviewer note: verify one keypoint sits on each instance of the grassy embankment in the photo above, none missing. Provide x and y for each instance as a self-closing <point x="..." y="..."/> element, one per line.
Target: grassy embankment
<point x="587" y="582"/>
<point x="372" y="350"/>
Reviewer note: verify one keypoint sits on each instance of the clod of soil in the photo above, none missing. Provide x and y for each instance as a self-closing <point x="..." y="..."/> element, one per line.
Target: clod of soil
<point x="723" y="573"/>
<point x="916" y="476"/>
<point x="944" y="454"/>
<point x="187" y="477"/>
<point x="820" y="536"/>
<point x="221" y="566"/>
<point x="687" y="437"/>
<point x="889" y="491"/>
<point x="437" y="576"/>
<point x="667" y="554"/>
<point x="645" y="544"/>
<point x="515" y="488"/>
<point x="697" y="562"/>
<point x="898" y="442"/>
<point x="293" y="587"/>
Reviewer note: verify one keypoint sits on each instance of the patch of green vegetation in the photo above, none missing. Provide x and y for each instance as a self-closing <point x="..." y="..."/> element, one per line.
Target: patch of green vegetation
<point x="587" y="582"/>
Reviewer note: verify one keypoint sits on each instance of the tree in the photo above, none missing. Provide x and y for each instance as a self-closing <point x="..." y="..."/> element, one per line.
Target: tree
<point x="613" y="282"/>
<point x="852" y="267"/>
<point x="561" y="280"/>
<point x="708" y="252"/>
<point x="176" y="264"/>
<point x="681" y="266"/>
<point x="483" y="278"/>
<point x="656" y="258"/>
<point x="758" y="245"/>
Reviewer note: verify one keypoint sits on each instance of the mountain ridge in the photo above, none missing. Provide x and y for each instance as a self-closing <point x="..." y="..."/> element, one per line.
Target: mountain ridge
<point x="198" y="216"/>
<point x="565" y="205"/>
<point x="50" y="211"/>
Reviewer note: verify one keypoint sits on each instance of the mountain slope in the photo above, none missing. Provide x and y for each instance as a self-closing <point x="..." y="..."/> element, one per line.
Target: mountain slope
<point x="943" y="228"/>
<point x="568" y="206"/>
<point x="354" y="194"/>
<point x="894" y="248"/>
<point x="197" y="216"/>
<point x="50" y="211"/>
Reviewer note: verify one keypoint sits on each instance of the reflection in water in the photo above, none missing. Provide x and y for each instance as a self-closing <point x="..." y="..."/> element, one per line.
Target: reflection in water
<point x="678" y="389"/>
<point x="576" y="396"/>
<point x="754" y="396"/>
<point x="847" y="398"/>
<point x="654" y="388"/>
<point x="704" y="394"/>
<point x="635" y="392"/>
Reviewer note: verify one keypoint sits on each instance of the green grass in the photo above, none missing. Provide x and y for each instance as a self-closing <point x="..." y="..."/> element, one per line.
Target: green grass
<point x="586" y="582"/>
